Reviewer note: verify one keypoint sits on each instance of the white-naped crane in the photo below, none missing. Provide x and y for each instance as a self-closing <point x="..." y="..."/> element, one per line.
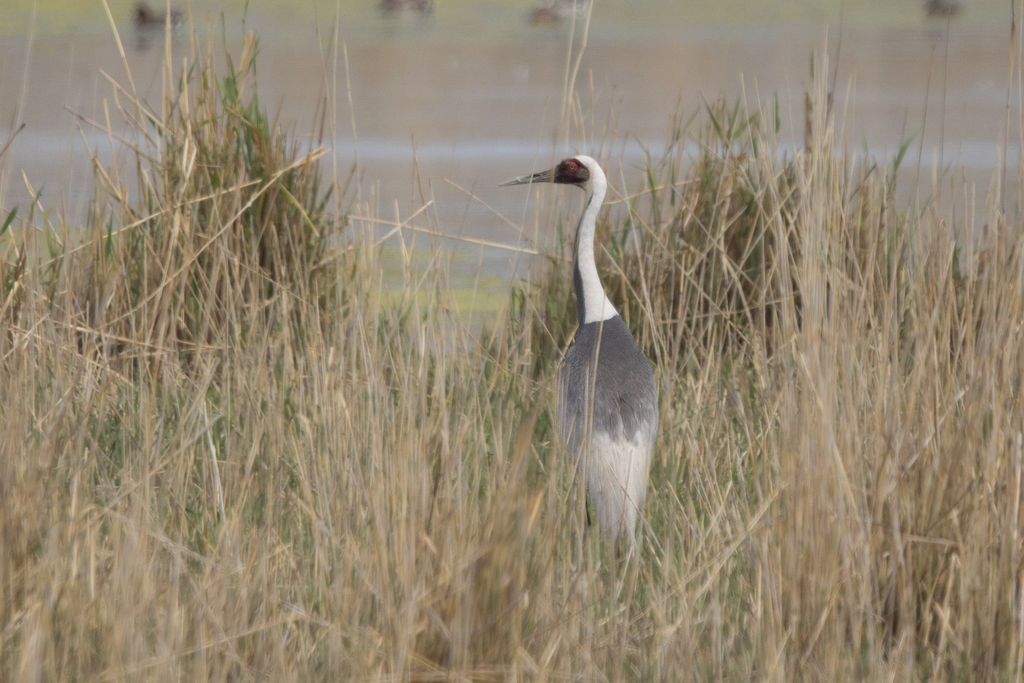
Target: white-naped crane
<point x="607" y="398"/>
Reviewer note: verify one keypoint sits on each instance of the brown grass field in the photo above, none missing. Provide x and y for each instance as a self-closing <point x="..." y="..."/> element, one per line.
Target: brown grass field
<point x="233" y="451"/>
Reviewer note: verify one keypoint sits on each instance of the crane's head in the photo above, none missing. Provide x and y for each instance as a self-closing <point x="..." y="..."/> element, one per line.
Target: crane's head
<point x="578" y="171"/>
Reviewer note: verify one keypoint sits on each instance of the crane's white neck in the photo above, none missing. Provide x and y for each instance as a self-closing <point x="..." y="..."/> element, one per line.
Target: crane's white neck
<point x="592" y="302"/>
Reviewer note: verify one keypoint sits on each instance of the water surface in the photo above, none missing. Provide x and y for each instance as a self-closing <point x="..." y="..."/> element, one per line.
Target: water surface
<point x="446" y="106"/>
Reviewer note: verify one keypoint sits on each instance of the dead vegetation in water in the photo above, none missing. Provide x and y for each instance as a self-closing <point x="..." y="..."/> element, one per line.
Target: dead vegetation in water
<point x="228" y="456"/>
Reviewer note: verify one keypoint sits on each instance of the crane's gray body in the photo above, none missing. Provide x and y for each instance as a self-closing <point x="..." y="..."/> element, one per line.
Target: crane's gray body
<point x="608" y="416"/>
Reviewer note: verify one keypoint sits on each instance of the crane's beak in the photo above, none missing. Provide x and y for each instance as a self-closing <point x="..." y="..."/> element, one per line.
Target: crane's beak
<point x="542" y="177"/>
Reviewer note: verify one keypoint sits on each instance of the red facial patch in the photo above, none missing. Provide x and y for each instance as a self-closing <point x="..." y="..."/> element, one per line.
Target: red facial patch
<point x="571" y="171"/>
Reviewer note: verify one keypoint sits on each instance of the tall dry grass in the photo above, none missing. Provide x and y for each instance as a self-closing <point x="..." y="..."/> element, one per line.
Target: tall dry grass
<point x="230" y="455"/>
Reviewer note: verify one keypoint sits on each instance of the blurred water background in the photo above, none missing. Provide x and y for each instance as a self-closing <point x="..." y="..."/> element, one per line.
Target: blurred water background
<point x="441" y="106"/>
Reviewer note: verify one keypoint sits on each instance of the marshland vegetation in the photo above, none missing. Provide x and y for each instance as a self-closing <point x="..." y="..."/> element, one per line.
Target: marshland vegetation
<point x="232" y="449"/>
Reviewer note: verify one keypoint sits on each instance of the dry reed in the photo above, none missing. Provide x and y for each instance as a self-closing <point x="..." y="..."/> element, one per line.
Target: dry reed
<point x="229" y="455"/>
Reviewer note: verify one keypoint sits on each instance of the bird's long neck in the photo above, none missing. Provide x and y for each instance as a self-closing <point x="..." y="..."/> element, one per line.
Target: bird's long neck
<point x="592" y="303"/>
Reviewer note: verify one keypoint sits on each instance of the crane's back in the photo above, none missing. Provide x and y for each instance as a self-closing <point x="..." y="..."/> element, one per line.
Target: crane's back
<point x="608" y="416"/>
